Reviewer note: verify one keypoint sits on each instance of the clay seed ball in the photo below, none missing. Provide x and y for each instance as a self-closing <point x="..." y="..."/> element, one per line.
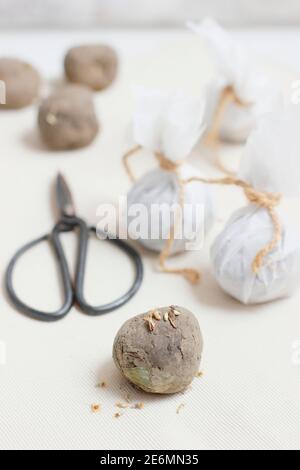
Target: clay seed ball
<point x="21" y="83"/>
<point x="67" y="119"/>
<point x="159" y="351"/>
<point x="92" y="65"/>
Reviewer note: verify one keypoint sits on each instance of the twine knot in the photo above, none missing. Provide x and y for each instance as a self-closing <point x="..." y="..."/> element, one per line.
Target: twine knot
<point x="267" y="201"/>
<point x="167" y="164"/>
<point x="262" y="199"/>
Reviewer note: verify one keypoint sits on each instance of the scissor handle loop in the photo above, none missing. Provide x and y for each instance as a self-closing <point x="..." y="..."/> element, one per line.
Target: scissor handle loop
<point x="67" y="283"/>
<point x="71" y="294"/>
<point x="80" y="275"/>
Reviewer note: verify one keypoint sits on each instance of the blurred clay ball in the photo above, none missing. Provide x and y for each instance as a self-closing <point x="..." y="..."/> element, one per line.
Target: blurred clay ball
<point x="20" y="83"/>
<point x="92" y="65"/>
<point x="67" y="118"/>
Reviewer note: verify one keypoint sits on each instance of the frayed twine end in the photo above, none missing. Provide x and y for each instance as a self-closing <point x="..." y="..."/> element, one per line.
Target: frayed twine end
<point x="191" y="275"/>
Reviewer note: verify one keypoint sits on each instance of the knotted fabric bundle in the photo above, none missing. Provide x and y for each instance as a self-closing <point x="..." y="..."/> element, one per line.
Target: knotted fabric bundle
<point x="256" y="258"/>
<point x="169" y="125"/>
<point x="240" y="93"/>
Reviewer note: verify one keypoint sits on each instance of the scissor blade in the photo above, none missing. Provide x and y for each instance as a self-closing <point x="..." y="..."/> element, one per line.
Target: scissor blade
<point x="64" y="197"/>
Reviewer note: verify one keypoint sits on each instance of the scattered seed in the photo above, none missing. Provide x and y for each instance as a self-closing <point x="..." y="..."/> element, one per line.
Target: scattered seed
<point x="95" y="408"/>
<point x="139" y="406"/>
<point x="51" y="119"/>
<point x="199" y="374"/>
<point x="176" y="313"/>
<point x="171" y="317"/>
<point x="179" y="408"/>
<point x="156" y="315"/>
<point x="166" y="316"/>
<point x="122" y="405"/>
<point x="118" y="415"/>
<point x="150" y="322"/>
<point x="172" y="320"/>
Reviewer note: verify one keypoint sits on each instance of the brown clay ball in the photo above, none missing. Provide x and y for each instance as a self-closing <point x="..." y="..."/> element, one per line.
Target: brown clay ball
<point x="92" y="65"/>
<point x="67" y="119"/>
<point x="162" y="358"/>
<point x="21" y="83"/>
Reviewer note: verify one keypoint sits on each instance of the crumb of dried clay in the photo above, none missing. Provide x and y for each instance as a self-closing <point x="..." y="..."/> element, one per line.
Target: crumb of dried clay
<point x="95" y="408"/>
<point x="179" y="408"/>
<point x="199" y="374"/>
<point x="102" y="384"/>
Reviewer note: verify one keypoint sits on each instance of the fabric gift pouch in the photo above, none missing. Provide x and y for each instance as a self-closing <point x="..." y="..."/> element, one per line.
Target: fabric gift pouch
<point x="174" y="216"/>
<point x="241" y="91"/>
<point x="256" y="258"/>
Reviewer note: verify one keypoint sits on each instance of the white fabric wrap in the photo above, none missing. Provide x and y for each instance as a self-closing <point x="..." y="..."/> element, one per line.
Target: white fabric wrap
<point x="158" y="188"/>
<point x="234" y="250"/>
<point x="235" y="68"/>
<point x="271" y="158"/>
<point x="270" y="163"/>
<point x="169" y="124"/>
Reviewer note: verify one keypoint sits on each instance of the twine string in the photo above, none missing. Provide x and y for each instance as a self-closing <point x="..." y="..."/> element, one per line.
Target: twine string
<point x="126" y="164"/>
<point x="190" y="274"/>
<point x="262" y="199"/>
<point x="212" y="138"/>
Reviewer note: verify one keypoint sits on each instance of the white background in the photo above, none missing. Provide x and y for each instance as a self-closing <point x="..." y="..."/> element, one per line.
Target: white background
<point x="145" y="12"/>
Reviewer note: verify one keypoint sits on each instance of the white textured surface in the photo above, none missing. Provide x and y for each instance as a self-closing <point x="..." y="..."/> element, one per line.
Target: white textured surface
<point x="249" y="394"/>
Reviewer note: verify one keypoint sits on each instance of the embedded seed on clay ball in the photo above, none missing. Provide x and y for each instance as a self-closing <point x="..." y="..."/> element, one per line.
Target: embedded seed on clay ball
<point x="160" y="356"/>
<point x="20" y="83"/>
<point x="67" y="119"/>
<point x="92" y="65"/>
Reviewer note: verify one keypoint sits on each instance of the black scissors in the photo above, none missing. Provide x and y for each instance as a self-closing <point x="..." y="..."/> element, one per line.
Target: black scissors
<point x="68" y="222"/>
